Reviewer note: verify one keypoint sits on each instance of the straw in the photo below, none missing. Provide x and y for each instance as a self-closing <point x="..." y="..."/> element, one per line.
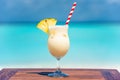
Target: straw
<point x="71" y="12"/>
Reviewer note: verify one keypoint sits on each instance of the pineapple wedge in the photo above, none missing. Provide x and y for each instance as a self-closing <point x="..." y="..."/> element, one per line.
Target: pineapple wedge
<point x="46" y="23"/>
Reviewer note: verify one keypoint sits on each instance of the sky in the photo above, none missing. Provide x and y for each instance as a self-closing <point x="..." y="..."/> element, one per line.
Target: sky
<point x="35" y="10"/>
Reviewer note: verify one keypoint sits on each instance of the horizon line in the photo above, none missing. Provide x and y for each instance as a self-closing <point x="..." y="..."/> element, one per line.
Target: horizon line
<point x="62" y="21"/>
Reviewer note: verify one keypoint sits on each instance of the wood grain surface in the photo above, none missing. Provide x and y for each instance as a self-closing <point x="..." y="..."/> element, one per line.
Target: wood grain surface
<point x="74" y="74"/>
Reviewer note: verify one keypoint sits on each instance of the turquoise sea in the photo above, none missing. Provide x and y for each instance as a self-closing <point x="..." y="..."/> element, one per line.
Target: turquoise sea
<point x="92" y="45"/>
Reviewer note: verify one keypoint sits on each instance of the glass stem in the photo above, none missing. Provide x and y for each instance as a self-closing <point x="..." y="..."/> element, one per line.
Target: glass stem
<point x="58" y="65"/>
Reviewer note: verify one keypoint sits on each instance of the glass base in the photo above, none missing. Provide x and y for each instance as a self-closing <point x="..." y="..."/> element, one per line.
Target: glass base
<point x="57" y="74"/>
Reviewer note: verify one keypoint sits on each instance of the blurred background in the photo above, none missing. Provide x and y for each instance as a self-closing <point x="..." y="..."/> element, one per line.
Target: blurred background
<point x="94" y="33"/>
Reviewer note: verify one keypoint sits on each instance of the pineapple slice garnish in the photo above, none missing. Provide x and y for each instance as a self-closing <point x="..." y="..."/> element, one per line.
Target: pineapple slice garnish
<point x="46" y="23"/>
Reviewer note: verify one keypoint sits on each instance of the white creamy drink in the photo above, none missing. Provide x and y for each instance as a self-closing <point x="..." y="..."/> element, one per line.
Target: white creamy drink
<point x="58" y="41"/>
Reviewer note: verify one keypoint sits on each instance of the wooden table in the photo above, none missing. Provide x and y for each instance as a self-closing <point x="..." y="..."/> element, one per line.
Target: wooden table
<point x="74" y="74"/>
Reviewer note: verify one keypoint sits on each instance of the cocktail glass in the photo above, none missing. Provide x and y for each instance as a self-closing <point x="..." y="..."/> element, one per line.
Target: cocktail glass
<point x="58" y="44"/>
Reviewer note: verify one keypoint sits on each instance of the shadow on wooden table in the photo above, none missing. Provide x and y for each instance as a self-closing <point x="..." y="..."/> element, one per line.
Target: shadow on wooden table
<point x="40" y="73"/>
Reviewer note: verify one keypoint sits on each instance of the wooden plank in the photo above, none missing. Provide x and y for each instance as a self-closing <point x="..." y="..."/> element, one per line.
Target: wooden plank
<point x="5" y="74"/>
<point x="74" y="74"/>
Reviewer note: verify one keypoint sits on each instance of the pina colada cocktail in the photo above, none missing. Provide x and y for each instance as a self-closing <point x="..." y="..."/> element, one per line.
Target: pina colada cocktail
<point x="58" y="44"/>
<point x="58" y="41"/>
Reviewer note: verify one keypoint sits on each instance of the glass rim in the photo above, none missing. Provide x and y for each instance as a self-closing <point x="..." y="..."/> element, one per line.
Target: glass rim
<point x="58" y="26"/>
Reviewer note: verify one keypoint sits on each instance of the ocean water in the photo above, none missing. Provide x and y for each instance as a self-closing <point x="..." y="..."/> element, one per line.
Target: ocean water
<point x="92" y="45"/>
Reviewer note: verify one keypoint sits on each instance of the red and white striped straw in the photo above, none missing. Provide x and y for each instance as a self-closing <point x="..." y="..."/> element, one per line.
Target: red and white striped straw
<point x="71" y="12"/>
